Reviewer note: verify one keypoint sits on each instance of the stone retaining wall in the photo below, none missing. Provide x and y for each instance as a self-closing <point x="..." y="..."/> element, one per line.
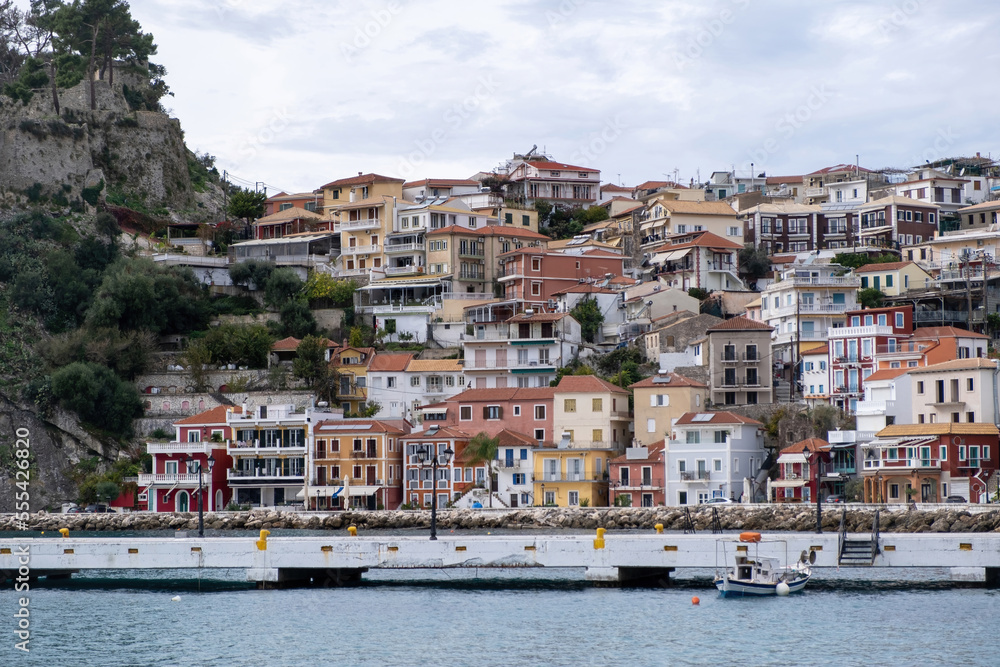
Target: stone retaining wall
<point x="732" y="518"/>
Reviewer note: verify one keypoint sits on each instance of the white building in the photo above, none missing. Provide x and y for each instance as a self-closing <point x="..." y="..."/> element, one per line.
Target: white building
<point x="710" y="455"/>
<point x="816" y="388"/>
<point x="401" y="384"/>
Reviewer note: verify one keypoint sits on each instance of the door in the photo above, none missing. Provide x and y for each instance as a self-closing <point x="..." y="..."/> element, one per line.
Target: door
<point x="321" y="476"/>
<point x="513" y="500"/>
<point x="480" y="358"/>
<point x="370" y="475"/>
<point x="501" y="357"/>
<point x="183" y="502"/>
<point x="509" y="458"/>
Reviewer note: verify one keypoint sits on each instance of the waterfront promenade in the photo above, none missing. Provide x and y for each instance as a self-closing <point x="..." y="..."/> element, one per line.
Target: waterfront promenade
<point x="615" y="558"/>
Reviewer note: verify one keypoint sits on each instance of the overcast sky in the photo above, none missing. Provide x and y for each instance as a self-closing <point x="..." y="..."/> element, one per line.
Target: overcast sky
<point x="298" y="93"/>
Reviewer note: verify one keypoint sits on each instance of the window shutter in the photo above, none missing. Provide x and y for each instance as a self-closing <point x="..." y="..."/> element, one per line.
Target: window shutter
<point x="486" y="412"/>
<point x="500" y="412"/>
<point x="652" y="400"/>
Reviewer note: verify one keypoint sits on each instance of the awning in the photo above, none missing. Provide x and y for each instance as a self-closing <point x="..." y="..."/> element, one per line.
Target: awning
<point x="321" y="491"/>
<point x="674" y="255"/>
<point x="362" y="490"/>
<point x="434" y="411"/>
<point x="387" y="283"/>
<point x="787" y="483"/>
<point x="793" y="457"/>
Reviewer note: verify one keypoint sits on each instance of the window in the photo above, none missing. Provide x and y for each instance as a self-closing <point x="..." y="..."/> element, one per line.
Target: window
<point x="539" y="434"/>
<point x="693" y="437"/>
<point x="539" y="412"/>
<point x="569" y="405"/>
<point x="650" y="425"/>
<point x="970" y="417"/>
<point x="597" y="435"/>
<point x="717" y="465"/>
<point x="658" y="400"/>
<point x="517" y="410"/>
<point x="969" y="384"/>
<point x="920" y="387"/>
<point x="899" y="320"/>
<point x="536" y="263"/>
<point x="492" y="412"/>
<point x="519" y="478"/>
<point x="465" y="413"/>
<point x="597" y="405"/>
<point x="536" y="289"/>
<point x="720" y="437"/>
<point x="415" y="381"/>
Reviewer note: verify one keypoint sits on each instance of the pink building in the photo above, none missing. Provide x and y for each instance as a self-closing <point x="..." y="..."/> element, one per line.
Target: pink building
<point x="532" y="276"/>
<point x="524" y="410"/>
<point x="854" y="349"/>
<point x="173" y="484"/>
<point x="638" y="477"/>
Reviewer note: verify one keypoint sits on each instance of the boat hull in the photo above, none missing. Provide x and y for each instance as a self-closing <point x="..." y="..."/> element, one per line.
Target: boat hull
<point x="735" y="588"/>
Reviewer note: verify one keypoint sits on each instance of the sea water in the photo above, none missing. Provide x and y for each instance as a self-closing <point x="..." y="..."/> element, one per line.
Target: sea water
<point x="510" y="618"/>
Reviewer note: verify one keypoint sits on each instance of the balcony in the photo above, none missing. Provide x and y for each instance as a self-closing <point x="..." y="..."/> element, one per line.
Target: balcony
<point x="868" y="408"/>
<point x="403" y="270"/>
<point x="488" y="335"/>
<point x="959" y="274"/>
<point x="514" y="464"/>
<point x="810" y="309"/>
<point x="352" y="272"/>
<point x="466" y="275"/>
<point x="468" y="296"/>
<point x="241" y="448"/>
<point x="391" y="248"/>
<point x="857" y="332"/>
<point x="903" y="464"/>
<point x="170" y="479"/>
<point x="361" y="250"/>
<point x="472" y="254"/>
<point x="695" y="476"/>
<point x="847" y="390"/>
<point x="905" y="349"/>
<point x="814" y="192"/>
<point x="539" y="365"/>
<point x="835" y="281"/>
<point x="730" y="358"/>
<point x="486" y="365"/>
<point x="355" y="225"/>
<point x="263" y="475"/>
<point x="200" y="447"/>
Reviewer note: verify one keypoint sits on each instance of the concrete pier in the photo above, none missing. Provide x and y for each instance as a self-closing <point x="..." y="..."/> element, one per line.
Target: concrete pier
<point x="621" y="559"/>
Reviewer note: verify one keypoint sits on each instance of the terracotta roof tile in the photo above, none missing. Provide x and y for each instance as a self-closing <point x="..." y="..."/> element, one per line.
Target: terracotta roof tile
<point x="507" y="394"/>
<point x="287" y="215"/>
<point x="216" y="415"/>
<point x="940" y="428"/>
<point x="888" y="266"/>
<point x="741" y="324"/>
<point x="440" y="182"/>
<point x="545" y="164"/>
<point x="286" y="344"/>
<point x="675" y="381"/>
<point x="809" y="444"/>
<point x="957" y="365"/>
<point x="361" y="179"/>
<point x="390" y="362"/>
<point x="699" y="239"/>
<point x="586" y="384"/>
<point x="363" y="426"/>
<point x="538" y="317"/>
<point x="887" y="374"/>
<point x="945" y="332"/>
<point x="434" y="365"/>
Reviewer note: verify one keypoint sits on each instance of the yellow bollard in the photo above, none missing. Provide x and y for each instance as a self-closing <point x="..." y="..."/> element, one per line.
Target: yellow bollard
<point x="64" y="532"/>
<point x="659" y="528"/>
<point x="352" y="531"/>
<point x="262" y="542"/>
<point x="599" y="542"/>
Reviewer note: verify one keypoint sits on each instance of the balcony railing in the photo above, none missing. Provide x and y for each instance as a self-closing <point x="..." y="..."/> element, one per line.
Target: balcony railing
<point x="903" y="349"/>
<point x="391" y="248"/>
<point x="351" y="225"/>
<point x="361" y="250"/>
<point x="881" y="464"/>
<point x="695" y="475"/>
<point x="814" y="192"/>
<point x="200" y="447"/>
<point x="241" y="448"/>
<point x="853" y="332"/>
<point x="403" y="270"/>
<point x="468" y="296"/>
<point x="486" y="365"/>
<point x="182" y="479"/>
<point x="263" y="474"/>
<point x="840" y="281"/>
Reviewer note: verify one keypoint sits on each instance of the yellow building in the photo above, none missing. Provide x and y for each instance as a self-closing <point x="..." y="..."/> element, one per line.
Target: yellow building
<point x="362" y="209"/>
<point x="572" y="477"/>
<point x="350" y="370"/>
<point x="468" y="257"/>
<point x="661" y="399"/>
<point x="893" y="278"/>
<point x="592" y="412"/>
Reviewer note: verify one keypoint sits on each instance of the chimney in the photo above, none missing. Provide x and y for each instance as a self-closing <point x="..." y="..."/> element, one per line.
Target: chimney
<point x="360" y="174"/>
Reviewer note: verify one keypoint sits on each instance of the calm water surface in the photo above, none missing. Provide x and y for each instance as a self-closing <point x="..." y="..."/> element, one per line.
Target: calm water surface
<point x="501" y="618"/>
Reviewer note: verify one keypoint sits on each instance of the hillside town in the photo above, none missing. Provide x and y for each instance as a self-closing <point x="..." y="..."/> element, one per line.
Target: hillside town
<point x="505" y="366"/>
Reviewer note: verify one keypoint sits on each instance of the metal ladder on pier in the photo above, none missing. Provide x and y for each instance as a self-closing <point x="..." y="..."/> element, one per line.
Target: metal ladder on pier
<point x="857" y="552"/>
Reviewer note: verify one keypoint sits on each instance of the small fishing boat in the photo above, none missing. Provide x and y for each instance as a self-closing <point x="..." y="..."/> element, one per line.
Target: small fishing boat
<point x="756" y="574"/>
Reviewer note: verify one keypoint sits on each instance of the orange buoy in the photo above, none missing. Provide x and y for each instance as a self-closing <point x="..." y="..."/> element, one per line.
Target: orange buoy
<point x="695" y="600"/>
<point x="749" y="537"/>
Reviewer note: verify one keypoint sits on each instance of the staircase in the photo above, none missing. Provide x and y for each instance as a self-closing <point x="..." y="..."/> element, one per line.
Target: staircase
<point x="782" y="392"/>
<point x="858" y="552"/>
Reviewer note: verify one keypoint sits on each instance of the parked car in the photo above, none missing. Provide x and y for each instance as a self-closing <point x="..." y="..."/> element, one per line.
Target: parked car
<point x="955" y="499"/>
<point x="719" y="500"/>
<point x="98" y="509"/>
<point x="835" y="498"/>
<point x="74" y="510"/>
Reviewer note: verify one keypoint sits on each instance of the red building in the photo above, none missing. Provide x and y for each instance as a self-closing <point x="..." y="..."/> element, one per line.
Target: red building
<point x="638" y="477"/>
<point x="173" y="484"/>
<point x="797" y="473"/>
<point x="309" y="201"/>
<point x="854" y="349"/>
<point x="929" y="462"/>
<point x="532" y="276"/>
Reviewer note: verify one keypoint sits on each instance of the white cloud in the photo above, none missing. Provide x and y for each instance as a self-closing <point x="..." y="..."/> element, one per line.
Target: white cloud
<point x="303" y="92"/>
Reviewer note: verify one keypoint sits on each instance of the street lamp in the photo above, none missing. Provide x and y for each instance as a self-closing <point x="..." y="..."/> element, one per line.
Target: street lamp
<point x="190" y="460"/>
<point x="430" y="450"/>
<point x="543" y="495"/>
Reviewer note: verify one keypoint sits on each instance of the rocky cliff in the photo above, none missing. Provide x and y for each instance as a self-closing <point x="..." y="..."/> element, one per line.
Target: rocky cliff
<point x="139" y="157"/>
